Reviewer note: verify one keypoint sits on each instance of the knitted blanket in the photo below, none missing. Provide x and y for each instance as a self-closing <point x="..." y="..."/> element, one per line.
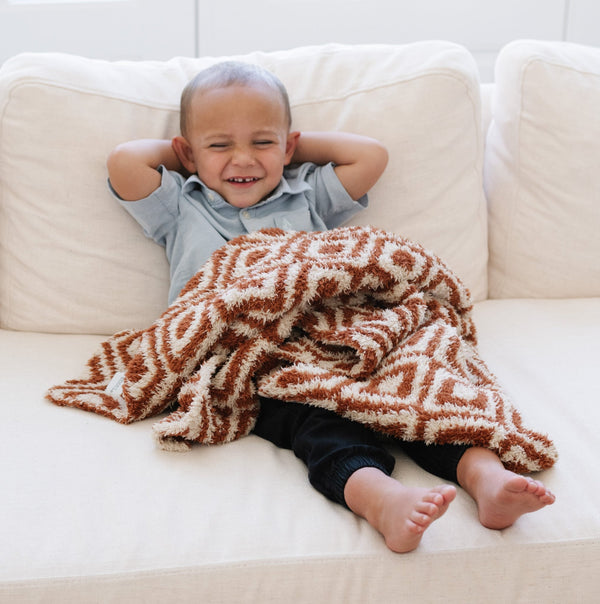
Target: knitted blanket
<point x="355" y="320"/>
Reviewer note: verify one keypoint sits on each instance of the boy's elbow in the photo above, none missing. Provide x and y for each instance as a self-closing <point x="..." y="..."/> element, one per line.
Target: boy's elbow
<point x="377" y="159"/>
<point x="381" y="157"/>
<point x="115" y="161"/>
<point x="364" y="174"/>
<point x="115" y="165"/>
<point x="378" y="152"/>
<point x="130" y="177"/>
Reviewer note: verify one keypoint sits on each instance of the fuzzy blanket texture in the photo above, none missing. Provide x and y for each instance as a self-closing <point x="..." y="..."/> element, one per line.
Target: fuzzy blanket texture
<point x="356" y="320"/>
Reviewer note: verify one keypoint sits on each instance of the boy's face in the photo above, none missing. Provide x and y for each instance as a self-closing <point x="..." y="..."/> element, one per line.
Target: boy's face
<point x="239" y="142"/>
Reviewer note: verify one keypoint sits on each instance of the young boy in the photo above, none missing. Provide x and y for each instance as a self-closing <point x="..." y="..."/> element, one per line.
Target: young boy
<point x="229" y="173"/>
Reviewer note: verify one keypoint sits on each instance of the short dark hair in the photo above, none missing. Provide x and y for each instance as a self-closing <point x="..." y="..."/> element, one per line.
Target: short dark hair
<point x="231" y="73"/>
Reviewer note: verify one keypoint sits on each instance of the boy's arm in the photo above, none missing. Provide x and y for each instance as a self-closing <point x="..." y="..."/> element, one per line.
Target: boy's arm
<point x="359" y="160"/>
<point x="132" y="167"/>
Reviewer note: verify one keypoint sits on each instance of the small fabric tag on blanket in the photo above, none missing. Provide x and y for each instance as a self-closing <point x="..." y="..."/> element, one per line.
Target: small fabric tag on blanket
<point x="115" y="386"/>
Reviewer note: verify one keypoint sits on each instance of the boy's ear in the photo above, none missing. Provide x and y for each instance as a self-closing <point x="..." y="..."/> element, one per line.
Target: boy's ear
<point x="290" y="147"/>
<point x="184" y="152"/>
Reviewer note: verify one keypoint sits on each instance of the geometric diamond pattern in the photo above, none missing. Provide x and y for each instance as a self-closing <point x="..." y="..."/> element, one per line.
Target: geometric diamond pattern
<point x="355" y="319"/>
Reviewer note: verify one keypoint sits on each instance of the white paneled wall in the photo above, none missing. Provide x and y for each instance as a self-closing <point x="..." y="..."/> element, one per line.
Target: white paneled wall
<point x="583" y="22"/>
<point x="483" y="26"/>
<point x="109" y="29"/>
<point x="150" y="29"/>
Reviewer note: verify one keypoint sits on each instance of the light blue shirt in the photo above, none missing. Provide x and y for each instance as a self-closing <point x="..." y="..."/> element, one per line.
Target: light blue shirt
<point x="191" y="221"/>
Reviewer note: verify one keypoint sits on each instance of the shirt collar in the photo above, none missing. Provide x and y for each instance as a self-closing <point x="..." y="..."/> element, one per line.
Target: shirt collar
<point x="286" y="186"/>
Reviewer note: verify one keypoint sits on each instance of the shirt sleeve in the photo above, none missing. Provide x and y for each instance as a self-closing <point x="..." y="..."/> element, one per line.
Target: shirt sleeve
<point x="157" y="213"/>
<point x="331" y="201"/>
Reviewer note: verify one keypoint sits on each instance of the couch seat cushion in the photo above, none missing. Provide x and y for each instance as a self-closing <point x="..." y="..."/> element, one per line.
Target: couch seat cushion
<point x="94" y="512"/>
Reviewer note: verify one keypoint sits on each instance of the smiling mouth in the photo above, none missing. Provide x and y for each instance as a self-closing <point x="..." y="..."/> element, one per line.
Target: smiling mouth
<point x="242" y="181"/>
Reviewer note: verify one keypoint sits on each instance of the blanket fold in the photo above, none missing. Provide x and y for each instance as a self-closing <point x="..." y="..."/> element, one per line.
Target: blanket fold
<point x="356" y="320"/>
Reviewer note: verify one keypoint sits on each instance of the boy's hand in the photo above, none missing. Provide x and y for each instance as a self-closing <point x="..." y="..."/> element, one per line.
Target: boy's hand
<point x="359" y="160"/>
<point x="132" y="167"/>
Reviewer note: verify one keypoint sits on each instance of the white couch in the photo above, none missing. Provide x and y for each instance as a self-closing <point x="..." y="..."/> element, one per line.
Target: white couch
<point x="502" y="181"/>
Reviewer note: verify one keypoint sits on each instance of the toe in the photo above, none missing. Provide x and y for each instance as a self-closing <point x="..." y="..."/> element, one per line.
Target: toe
<point x="449" y="493"/>
<point x="436" y="499"/>
<point x="426" y="509"/>
<point x="548" y="497"/>
<point x="534" y="487"/>
<point x="421" y="520"/>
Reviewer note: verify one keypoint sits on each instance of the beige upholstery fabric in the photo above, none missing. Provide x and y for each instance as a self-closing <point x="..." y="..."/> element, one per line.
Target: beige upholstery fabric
<point x="542" y="177"/>
<point x="69" y="250"/>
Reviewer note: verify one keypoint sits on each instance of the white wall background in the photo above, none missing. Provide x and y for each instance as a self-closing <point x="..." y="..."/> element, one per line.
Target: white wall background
<point x="150" y="29"/>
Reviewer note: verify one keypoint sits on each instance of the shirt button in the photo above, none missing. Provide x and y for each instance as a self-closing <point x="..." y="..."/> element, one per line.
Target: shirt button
<point x="246" y="214"/>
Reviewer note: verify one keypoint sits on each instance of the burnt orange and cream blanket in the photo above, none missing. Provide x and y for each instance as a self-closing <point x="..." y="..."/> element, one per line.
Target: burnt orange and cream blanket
<point x="355" y="320"/>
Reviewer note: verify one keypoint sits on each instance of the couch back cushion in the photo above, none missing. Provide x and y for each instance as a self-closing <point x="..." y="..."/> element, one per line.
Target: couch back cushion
<point x="72" y="260"/>
<point x="542" y="174"/>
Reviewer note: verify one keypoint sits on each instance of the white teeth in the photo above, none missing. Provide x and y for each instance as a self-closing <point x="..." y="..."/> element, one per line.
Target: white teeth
<point x="242" y="179"/>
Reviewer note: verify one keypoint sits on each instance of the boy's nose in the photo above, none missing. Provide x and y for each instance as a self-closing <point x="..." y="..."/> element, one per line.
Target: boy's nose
<point x="242" y="157"/>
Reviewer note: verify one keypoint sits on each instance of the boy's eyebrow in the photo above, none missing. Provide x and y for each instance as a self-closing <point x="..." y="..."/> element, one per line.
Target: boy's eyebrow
<point x="216" y="135"/>
<point x="265" y="132"/>
<point x="272" y="133"/>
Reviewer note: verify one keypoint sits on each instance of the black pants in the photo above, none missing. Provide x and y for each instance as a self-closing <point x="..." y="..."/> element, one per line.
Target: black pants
<point x="333" y="447"/>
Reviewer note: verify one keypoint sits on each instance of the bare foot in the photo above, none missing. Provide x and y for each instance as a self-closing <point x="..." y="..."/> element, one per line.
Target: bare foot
<point x="501" y="495"/>
<point x="401" y="514"/>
